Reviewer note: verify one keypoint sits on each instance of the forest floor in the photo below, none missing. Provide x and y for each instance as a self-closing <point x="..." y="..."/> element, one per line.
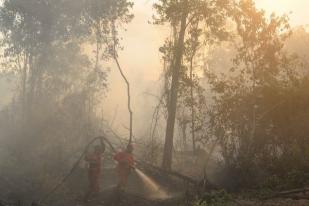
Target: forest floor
<point x="139" y="194"/>
<point x="112" y="199"/>
<point x="277" y="202"/>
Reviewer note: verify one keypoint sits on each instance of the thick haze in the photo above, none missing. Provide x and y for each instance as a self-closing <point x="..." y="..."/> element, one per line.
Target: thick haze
<point x="242" y="111"/>
<point x="140" y="60"/>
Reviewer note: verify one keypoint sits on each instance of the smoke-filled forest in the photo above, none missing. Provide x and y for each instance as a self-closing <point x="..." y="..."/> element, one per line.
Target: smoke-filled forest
<point x="154" y="102"/>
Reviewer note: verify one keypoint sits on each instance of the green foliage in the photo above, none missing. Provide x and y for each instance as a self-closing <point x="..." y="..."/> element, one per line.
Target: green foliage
<point x="205" y="26"/>
<point x="293" y="179"/>
<point x="259" y="113"/>
<point x="217" y="198"/>
<point x="44" y="42"/>
<point x="48" y="43"/>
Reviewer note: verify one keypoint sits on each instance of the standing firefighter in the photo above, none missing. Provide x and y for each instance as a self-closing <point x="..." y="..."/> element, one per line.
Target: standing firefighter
<point x="94" y="171"/>
<point x="125" y="165"/>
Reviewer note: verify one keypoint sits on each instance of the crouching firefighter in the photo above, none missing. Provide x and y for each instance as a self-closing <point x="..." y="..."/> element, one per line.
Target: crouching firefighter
<point x="94" y="159"/>
<point x="125" y="165"/>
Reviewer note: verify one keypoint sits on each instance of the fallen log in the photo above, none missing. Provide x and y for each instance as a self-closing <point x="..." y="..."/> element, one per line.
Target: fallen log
<point x="288" y="193"/>
<point x="297" y="197"/>
<point x="302" y="190"/>
<point x="167" y="172"/>
<point x="201" y="185"/>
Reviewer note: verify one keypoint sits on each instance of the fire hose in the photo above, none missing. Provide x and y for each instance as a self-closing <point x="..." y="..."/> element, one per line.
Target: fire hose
<point x="102" y="140"/>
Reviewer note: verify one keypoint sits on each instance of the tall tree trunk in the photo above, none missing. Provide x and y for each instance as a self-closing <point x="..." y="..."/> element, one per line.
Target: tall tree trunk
<point x="192" y="106"/>
<point x="172" y="104"/>
<point x="91" y="93"/>
<point x="24" y="87"/>
<point x="184" y="134"/>
<point x="30" y="94"/>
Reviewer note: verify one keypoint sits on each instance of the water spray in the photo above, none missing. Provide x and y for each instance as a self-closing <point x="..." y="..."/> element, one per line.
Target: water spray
<point x="154" y="188"/>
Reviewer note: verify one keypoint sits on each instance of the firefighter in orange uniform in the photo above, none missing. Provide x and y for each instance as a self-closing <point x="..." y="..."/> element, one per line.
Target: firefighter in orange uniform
<point x="125" y="166"/>
<point x="94" y="171"/>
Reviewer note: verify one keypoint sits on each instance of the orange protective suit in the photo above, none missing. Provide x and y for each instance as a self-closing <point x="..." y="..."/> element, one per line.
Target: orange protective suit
<point x="94" y="172"/>
<point x="125" y="165"/>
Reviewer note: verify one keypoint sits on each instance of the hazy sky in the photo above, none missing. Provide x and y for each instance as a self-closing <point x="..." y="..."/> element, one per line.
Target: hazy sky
<point x="141" y="59"/>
